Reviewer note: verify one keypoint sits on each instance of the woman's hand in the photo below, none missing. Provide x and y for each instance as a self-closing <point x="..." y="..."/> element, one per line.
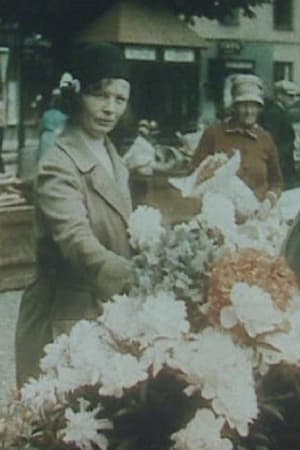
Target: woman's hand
<point x="272" y="197"/>
<point x="267" y="204"/>
<point x="114" y="277"/>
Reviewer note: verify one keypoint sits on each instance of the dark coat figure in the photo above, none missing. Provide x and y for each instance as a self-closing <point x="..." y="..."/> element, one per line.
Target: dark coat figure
<point x="275" y="118"/>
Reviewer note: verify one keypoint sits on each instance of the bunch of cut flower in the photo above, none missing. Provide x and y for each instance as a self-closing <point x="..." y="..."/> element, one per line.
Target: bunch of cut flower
<point x="168" y="258"/>
<point x="230" y="208"/>
<point x="140" y="378"/>
<point x="148" y="383"/>
<point x="144" y="377"/>
<point x="254" y="296"/>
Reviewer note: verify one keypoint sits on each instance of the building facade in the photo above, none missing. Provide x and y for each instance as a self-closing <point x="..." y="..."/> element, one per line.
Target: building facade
<point x="164" y="57"/>
<point x="267" y="45"/>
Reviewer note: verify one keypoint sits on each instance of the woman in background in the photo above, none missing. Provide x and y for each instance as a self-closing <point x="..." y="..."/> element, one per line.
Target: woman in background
<point x="259" y="168"/>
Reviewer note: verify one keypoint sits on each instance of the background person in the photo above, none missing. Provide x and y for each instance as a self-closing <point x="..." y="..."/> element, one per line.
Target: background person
<point x="275" y="118"/>
<point x="259" y="168"/>
<point x="83" y="203"/>
<point x="52" y="123"/>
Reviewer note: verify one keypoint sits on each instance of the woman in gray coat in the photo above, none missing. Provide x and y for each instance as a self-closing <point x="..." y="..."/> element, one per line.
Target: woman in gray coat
<point x="82" y="206"/>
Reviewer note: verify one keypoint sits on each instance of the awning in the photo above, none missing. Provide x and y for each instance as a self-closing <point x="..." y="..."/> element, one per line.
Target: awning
<point x="133" y="22"/>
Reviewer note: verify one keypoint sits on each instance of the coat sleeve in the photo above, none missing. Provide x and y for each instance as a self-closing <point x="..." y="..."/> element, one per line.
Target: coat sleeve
<point x="60" y="199"/>
<point x="291" y="247"/>
<point x="274" y="170"/>
<point x="205" y="147"/>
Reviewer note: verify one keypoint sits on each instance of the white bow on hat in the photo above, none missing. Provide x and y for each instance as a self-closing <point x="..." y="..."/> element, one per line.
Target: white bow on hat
<point x="68" y="81"/>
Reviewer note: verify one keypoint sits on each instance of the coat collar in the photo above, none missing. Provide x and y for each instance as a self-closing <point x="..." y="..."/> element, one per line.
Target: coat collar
<point x="114" y="191"/>
<point x="72" y="141"/>
<point x="232" y="127"/>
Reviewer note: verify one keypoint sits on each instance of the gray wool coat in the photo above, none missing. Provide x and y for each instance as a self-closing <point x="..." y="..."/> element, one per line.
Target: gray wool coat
<point x="82" y="245"/>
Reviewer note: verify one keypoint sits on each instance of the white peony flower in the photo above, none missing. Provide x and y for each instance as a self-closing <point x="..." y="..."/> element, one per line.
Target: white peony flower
<point x="120" y="372"/>
<point x="267" y="234"/>
<point x="218" y="212"/>
<point x="143" y="320"/>
<point x="83" y="428"/>
<point x="203" y="432"/>
<point x="38" y="392"/>
<point x="145" y="227"/>
<point x="288" y="203"/>
<point x="284" y="345"/>
<point x="253" y="308"/>
<point x="158" y="354"/>
<point x="120" y="317"/>
<point x="88" y="351"/>
<point x="209" y="363"/>
<point x="163" y="316"/>
<point x="56" y="353"/>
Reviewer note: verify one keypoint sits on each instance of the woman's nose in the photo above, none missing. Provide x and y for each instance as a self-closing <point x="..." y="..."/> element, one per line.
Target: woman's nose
<point x="110" y="105"/>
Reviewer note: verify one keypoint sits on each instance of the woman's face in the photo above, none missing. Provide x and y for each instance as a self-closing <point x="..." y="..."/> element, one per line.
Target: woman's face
<point x="247" y="113"/>
<point x="102" y="106"/>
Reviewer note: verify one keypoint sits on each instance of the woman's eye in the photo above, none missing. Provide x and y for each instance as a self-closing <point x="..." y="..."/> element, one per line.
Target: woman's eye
<point x="121" y="100"/>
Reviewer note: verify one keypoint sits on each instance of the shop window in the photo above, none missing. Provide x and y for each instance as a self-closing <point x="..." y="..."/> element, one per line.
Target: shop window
<point x="283" y="71"/>
<point x="283" y="14"/>
<point x="167" y="93"/>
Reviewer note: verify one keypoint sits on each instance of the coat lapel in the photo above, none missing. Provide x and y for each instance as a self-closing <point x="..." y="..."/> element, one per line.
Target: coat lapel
<point x="114" y="191"/>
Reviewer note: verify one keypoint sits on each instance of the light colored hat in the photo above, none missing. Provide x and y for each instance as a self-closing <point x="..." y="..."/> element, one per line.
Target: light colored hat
<point x="247" y="88"/>
<point x="288" y="87"/>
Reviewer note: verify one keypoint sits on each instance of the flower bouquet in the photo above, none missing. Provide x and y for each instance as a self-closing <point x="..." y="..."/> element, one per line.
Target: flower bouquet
<point x="203" y="353"/>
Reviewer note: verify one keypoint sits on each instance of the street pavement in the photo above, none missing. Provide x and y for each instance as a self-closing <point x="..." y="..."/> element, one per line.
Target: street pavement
<point x="9" y="304"/>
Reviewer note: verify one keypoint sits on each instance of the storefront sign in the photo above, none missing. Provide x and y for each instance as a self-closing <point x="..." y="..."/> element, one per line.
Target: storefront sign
<point x="140" y="53"/>
<point x="230" y="47"/>
<point x="239" y="65"/>
<point x="179" y="55"/>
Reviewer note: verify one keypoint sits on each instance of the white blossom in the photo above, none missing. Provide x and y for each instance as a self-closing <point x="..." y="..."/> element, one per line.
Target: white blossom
<point x="143" y="320"/>
<point x="158" y="354"/>
<point x="284" y="344"/>
<point x="38" y="392"/>
<point x="210" y="363"/>
<point x="145" y="227"/>
<point x="163" y="316"/>
<point x="83" y="428"/>
<point x="121" y="317"/>
<point x="253" y="308"/>
<point x="56" y="353"/>
<point x="218" y="212"/>
<point x="121" y="371"/>
<point x="203" y="432"/>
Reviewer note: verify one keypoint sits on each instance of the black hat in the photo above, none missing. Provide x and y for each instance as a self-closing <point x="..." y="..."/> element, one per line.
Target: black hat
<point x="94" y="62"/>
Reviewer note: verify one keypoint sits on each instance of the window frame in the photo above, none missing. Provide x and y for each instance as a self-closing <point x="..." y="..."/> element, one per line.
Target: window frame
<point x="276" y="23"/>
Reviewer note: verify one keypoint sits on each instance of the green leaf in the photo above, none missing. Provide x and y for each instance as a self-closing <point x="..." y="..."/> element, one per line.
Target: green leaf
<point x="273" y="411"/>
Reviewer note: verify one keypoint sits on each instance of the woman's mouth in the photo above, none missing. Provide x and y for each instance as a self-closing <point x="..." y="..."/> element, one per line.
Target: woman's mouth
<point x="105" y="122"/>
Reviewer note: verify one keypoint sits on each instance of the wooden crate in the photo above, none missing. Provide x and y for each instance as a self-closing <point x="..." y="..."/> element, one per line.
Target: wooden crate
<point x="156" y="191"/>
<point x="17" y="251"/>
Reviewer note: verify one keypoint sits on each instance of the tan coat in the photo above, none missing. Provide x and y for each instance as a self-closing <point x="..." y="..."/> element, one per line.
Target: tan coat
<point x="81" y="231"/>
<point x="260" y="168"/>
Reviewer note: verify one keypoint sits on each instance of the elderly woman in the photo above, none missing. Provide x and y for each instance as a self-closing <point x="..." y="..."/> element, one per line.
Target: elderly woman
<point x="260" y="168"/>
<point x="83" y="203"/>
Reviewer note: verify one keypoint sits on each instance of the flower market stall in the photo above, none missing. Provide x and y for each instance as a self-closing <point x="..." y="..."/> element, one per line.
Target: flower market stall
<point x="203" y="353"/>
<point x="17" y="255"/>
